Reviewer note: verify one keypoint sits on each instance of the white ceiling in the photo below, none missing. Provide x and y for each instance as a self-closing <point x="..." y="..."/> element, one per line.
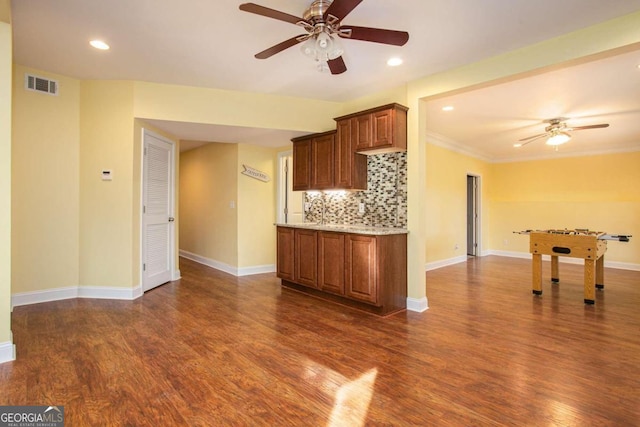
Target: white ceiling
<point x="211" y="43"/>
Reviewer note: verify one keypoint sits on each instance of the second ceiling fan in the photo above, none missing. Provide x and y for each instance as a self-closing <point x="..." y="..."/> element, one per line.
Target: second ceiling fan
<point x="557" y="132"/>
<point x="322" y="22"/>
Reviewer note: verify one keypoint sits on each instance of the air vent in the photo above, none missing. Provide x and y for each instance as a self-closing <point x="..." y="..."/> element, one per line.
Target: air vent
<point x="40" y="84"/>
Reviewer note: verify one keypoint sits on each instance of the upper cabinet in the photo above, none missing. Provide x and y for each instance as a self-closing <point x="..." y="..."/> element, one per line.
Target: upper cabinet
<point x="378" y="130"/>
<point x="336" y="160"/>
<point x="313" y="162"/>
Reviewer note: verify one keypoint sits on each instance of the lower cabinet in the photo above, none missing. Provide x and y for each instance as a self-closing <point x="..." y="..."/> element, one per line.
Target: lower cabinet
<point x="361" y="272"/>
<point x="305" y="260"/>
<point x="364" y="271"/>
<point x="285" y="263"/>
<point x="331" y="262"/>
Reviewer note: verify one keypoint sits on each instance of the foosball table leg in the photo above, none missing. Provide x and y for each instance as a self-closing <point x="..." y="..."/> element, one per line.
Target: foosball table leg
<point x="589" y="281"/>
<point x="536" y="266"/>
<point x="600" y="273"/>
<point x="555" y="271"/>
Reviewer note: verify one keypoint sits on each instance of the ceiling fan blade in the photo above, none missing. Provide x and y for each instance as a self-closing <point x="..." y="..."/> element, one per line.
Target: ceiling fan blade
<point x="269" y="13"/>
<point x="603" y="125"/>
<point x="376" y="35"/>
<point x="341" y="8"/>
<point x="337" y="66"/>
<point x="267" y="53"/>
<point x="531" y="138"/>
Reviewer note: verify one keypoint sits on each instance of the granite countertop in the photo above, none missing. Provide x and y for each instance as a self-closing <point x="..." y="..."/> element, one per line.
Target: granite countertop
<point x="347" y="228"/>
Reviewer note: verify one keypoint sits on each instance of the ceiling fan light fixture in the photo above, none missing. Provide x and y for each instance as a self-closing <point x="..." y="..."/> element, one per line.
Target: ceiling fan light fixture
<point x="558" y="138"/>
<point x="322" y="47"/>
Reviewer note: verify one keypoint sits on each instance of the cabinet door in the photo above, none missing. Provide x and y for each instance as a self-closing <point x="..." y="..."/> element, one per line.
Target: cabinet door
<point x="331" y="262"/>
<point x="306" y="259"/>
<point x="361" y="131"/>
<point x="285" y="242"/>
<point x="350" y="167"/>
<point x="302" y="165"/>
<point x="361" y="272"/>
<point x="322" y="162"/>
<point x="382" y="129"/>
<point x="343" y="155"/>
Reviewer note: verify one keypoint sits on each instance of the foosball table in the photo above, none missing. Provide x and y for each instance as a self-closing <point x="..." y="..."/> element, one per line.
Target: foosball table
<point x="577" y="243"/>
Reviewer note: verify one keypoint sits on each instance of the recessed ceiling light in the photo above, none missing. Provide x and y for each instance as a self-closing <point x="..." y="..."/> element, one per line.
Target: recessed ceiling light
<point x="447" y="108"/>
<point x="517" y="145"/>
<point x="99" y="44"/>
<point x="394" y="62"/>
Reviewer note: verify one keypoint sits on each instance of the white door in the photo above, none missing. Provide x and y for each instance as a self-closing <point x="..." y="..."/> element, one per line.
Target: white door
<point x="290" y="203"/>
<point x="157" y="211"/>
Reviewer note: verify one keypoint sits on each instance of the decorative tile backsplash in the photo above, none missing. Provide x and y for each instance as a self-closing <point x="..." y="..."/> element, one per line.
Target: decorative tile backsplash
<point x="385" y="200"/>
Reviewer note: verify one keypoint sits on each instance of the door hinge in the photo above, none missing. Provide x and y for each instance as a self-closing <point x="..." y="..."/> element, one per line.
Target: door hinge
<point x="144" y="209"/>
<point x="144" y="267"/>
<point x="145" y="151"/>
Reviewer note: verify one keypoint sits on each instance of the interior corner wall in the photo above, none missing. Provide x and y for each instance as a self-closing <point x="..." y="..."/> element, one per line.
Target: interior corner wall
<point x="6" y="59"/>
<point x="446" y="202"/>
<point x="599" y="192"/>
<point x="45" y="185"/>
<point x="106" y="142"/>
<point x="208" y="186"/>
<point x="257" y="208"/>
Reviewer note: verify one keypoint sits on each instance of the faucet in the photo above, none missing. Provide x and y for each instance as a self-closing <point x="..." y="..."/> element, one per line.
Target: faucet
<point x="319" y="198"/>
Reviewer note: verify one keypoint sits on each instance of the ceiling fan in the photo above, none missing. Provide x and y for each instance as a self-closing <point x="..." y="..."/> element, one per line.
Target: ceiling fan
<point x="323" y="23"/>
<point x="557" y="132"/>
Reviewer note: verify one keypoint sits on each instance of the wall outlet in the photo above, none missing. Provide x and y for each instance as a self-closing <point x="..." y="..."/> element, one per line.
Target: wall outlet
<point x="456" y="247"/>
<point x="232" y="204"/>
<point x="505" y="242"/>
<point x="307" y="206"/>
<point x="361" y="208"/>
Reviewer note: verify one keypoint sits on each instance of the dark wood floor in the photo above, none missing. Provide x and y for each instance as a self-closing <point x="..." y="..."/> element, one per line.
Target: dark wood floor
<point x="212" y="349"/>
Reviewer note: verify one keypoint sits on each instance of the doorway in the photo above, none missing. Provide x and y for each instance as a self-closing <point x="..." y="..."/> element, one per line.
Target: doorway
<point x="158" y="225"/>
<point x="290" y="203"/>
<point x="473" y="215"/>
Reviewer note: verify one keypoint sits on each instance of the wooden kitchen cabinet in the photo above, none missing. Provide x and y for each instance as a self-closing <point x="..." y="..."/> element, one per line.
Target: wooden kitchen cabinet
<point x="350" y="167"/>
<point x="379" y="130"/>
<point x="302" y="165"/>
<point x="313" y="162"/>
<point x="331" y="262"/>
<point x="306" y="257"/>
<point x="361" y="268"/>
<point x="368" y="272"/>
<point x="285" y="252"/>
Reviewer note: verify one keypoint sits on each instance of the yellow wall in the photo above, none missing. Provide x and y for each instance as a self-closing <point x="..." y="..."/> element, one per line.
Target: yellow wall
<point x="45" y="193"/>
<point x="446" y="202"/>
<point x="597" y="192"/>
<point x="256" y="207"/>
<point x="106" y="207"/>
<point x="215" y="106"/>
<point x="5" y="174"/>
<point x="208" y="185"/>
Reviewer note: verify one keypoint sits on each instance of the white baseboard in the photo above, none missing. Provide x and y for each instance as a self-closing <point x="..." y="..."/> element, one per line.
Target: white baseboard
<point x="103" y="292"/>
<point x="417" y="304"/>
<point x="57" y="294"/>
<point x="7" y="351"/>
<point x="243" y="271"/>
<point x="176" y="275"/>
<point x="567" y="260"/>
<point x="445" y="262"/>
<point x="35" y="297"/>
<point x="258" y="269"/>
